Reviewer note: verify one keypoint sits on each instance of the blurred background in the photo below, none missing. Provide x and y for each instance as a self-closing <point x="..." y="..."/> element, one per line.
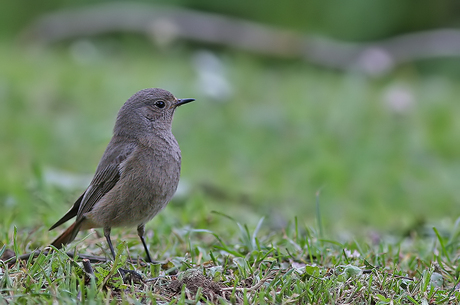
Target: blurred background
<point x="349" y="105"/>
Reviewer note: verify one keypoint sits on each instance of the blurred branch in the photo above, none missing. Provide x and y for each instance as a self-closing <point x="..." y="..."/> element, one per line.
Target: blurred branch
<point x="166" y="25"/>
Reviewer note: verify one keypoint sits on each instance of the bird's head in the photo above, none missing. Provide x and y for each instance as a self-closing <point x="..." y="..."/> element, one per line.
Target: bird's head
<point x="148" y="110"/>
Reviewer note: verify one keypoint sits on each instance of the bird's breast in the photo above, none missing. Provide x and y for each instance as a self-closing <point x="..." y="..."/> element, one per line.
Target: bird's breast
<point x="155" y="170"/>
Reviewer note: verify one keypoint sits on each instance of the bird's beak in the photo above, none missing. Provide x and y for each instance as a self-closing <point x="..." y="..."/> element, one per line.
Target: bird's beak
<point x="183" y="101"/>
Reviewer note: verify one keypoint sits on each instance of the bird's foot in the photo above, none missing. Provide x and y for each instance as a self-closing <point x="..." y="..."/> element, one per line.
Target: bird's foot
<point x="130" y="276"/>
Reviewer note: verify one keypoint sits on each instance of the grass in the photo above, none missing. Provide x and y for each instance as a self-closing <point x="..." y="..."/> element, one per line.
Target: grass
<point x="349" y="174"/>
<point x="253" y="265"/>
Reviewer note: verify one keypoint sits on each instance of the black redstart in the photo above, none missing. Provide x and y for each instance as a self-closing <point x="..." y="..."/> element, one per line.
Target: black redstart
<point x="138" y="173"/>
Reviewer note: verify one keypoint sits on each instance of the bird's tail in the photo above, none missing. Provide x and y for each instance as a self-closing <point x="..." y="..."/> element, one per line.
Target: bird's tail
<point x="67" y="236"/>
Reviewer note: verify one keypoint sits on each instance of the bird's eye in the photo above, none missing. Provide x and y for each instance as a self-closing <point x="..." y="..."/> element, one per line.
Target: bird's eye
<point x="160" y="104"/>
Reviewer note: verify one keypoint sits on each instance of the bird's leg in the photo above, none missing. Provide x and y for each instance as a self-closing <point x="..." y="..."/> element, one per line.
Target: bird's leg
<point x="140" y="232"/>
<point x="126" y="274"/>
<point x="109" y="241"/>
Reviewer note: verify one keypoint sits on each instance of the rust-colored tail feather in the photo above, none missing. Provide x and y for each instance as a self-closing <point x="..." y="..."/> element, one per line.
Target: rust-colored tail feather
<point x="67" y="236"/>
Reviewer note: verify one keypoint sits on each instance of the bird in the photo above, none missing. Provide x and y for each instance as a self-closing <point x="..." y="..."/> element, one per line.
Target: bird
<point x="138" y="173"/>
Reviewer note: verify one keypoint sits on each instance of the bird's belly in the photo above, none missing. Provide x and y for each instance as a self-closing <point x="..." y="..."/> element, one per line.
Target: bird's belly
<point x="138" y="200"/>
<point x="127" y="212"/>
<point x="137" y="214"/>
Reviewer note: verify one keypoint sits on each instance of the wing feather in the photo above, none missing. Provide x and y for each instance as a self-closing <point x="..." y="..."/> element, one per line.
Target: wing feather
<point x="106" y="177"/>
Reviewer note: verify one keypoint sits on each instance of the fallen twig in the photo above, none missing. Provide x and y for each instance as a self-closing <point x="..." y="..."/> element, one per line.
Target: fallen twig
<point x="11" y="259"/>
<point x="87" y="267"/>
<point x="165" y="25"/>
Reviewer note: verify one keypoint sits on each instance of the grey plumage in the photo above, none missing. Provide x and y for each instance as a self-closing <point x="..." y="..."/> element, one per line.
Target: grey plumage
<point x="138" y="173"/>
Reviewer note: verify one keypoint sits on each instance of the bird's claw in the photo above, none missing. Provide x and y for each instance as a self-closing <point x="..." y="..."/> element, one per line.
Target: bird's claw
<point x="130" y="276"/>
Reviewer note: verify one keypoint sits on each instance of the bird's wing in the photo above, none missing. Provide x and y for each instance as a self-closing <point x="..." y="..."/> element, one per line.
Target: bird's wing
<point x="102" y="183"/>
<point x="106" y="177"/>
